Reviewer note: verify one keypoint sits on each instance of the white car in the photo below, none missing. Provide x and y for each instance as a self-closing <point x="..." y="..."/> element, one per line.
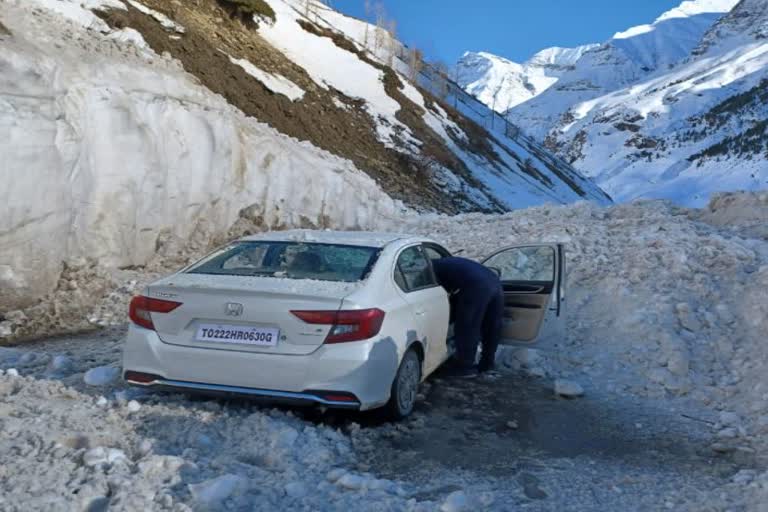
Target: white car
<point x="351" y="320"/>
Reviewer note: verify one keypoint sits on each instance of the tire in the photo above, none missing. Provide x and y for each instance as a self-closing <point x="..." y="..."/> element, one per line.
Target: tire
<point x="405" y="387"/>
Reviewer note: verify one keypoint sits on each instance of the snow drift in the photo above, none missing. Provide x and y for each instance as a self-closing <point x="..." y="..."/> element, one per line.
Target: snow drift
<point x="108" y="148"/>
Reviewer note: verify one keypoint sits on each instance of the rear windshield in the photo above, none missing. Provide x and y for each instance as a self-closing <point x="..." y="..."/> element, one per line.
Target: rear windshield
<point x="292" y="260"/>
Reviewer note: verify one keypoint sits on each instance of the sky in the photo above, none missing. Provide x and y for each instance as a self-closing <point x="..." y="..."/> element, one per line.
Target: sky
<point x="515" y="29"/>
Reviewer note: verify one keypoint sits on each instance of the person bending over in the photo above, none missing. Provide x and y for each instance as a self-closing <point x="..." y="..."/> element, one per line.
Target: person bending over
<point x="477" y="306"/>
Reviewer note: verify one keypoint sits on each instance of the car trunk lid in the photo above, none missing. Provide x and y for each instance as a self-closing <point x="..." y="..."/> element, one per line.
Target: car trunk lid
<point x="245" y="303"/>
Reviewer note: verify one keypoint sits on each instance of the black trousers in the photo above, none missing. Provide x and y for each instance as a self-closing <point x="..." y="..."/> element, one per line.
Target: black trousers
<point x="478" y="318"/>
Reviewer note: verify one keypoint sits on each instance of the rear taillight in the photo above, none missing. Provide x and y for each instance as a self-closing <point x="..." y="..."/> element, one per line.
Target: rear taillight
<point x="351" y="325"/>
<point x="141" y="307"/>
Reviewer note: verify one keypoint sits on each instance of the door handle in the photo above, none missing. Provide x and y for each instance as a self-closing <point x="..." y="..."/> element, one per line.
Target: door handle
<point x="420" y="312"/>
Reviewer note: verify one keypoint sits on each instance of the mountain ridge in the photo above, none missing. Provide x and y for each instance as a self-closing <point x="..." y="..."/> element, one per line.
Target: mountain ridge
<point x="689" y="125"/>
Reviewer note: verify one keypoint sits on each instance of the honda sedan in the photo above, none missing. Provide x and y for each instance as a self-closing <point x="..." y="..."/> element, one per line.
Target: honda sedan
<point x="351" y="320"/>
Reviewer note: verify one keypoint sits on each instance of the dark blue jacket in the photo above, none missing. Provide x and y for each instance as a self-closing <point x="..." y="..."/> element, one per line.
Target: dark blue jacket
<point x="471" y="278"/>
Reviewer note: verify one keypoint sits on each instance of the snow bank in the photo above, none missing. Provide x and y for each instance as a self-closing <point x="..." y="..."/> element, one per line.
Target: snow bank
<point x="173" y="454"/>
<point x="122" y="151"/>
<point x="662" y="301"/>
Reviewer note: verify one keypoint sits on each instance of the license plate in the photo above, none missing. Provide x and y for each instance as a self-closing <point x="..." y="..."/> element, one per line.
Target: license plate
<point x="238" y="334"/>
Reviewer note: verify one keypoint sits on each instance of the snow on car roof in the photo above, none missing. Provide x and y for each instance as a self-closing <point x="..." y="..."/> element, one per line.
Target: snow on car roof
<point x="359" y="238"/>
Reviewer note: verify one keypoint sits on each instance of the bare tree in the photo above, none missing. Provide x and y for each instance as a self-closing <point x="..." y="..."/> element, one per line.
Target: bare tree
<point x="440" y="79"/>
<point x="381" y="20"/>
<point x="415" y="63"/>
<point x="368" y="12"/>
<point x="391" y="47"/>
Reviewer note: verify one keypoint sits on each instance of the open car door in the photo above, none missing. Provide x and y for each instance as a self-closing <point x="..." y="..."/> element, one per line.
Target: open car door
<point x="533" y="277"/>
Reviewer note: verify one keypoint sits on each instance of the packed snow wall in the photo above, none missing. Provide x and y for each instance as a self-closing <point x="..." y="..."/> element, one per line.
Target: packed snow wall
<point x="108" y="148"/>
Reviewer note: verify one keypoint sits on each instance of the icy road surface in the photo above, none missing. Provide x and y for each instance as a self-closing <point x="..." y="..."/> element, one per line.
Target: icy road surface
<point x="503" y="443"/>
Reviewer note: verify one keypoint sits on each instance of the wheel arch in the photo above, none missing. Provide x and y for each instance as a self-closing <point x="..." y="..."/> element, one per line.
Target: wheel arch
<point x="418" y="347"/>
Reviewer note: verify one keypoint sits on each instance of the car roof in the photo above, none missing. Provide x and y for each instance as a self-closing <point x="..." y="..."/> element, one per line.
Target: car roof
<point x="357" y="238"/>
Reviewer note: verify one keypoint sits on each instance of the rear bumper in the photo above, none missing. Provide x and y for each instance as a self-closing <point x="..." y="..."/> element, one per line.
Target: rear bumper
<point x="364" y="369"/>
<point x="262" y="395"/>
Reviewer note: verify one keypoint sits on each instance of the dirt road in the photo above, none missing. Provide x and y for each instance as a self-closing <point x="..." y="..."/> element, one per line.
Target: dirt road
<point x="513" y="438"/>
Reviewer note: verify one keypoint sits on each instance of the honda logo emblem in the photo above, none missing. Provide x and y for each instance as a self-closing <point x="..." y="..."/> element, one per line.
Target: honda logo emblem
<point x="234" y="309"/>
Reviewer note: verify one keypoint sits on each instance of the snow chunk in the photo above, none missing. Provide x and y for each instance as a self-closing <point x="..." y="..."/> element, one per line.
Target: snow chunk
<point x="100" y="455"/>
<point x="133" y="406"/>
<point x="216" y="490"/>
<point x="730" y="419"/>
<point x="350" y="481"/>
<point x="296" y="490"/>
<point x="6" y="329"/>
<point x="334" y="474"/>
<point x="60" y="362"/>
<point x="12" y="372"/>
<point x="275" y="83"/>
<point x="161" y="18"/>
<point x="455" y="502"/>
<point x="59" y="366"/>
<point x="568" y="388"/>
<point x="101" y="375"/>
<point x="131" y="36"/>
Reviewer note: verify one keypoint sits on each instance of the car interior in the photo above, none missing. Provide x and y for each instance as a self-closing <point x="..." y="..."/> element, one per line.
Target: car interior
<point x="528" y="280"/>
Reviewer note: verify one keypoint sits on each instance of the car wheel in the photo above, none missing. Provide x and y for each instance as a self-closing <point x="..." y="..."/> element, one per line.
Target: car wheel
<point x="405" y="387"/>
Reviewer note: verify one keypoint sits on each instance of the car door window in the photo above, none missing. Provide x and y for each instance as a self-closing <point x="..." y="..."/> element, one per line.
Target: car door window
<point x="524" y="264"/>
<point x="414" y="269"/>
<point x="433" y="252"/>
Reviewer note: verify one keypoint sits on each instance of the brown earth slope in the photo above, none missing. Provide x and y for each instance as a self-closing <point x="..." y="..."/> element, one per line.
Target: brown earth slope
<point x="342" y="127"/>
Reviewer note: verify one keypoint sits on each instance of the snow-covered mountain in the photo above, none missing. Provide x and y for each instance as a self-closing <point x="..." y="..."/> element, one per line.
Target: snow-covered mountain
<point x="626" y="58"/>
<point x="684" y="133"/>
<point x="673" y="109"/>
<point x="133" y="127"/>
<point x="502" y="84"/>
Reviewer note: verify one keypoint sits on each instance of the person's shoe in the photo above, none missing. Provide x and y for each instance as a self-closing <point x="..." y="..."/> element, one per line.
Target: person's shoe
<point x="485" y="366"/>
<point x="460" y="372"/>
